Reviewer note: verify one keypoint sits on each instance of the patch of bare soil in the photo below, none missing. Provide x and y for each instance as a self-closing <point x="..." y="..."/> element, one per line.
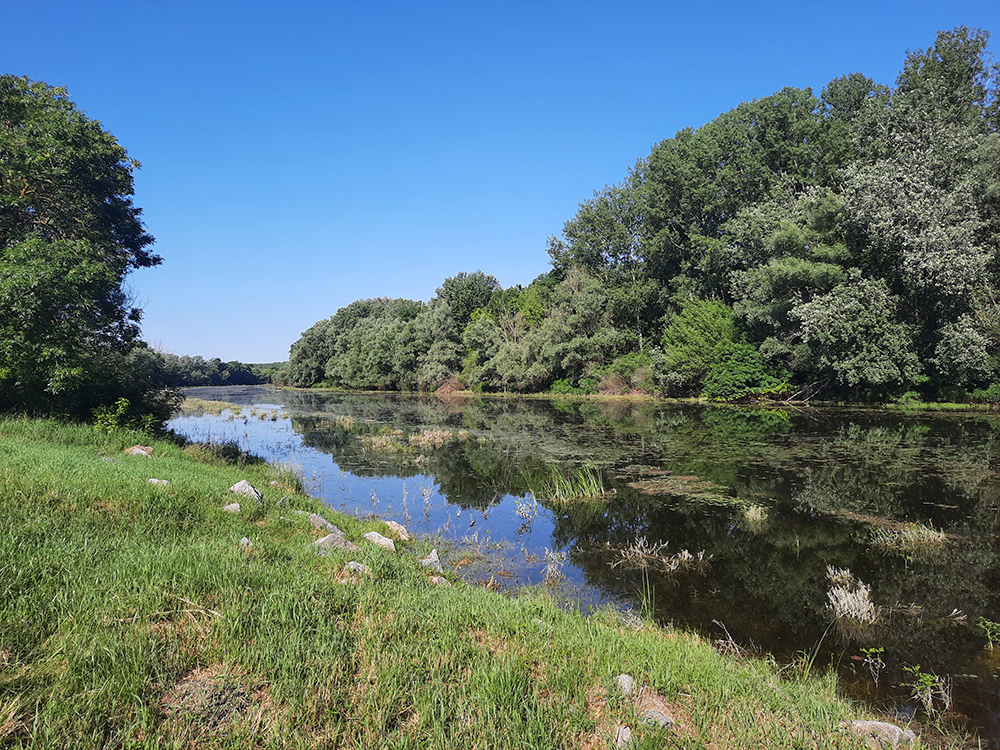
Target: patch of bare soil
<point x="210" y="699"/>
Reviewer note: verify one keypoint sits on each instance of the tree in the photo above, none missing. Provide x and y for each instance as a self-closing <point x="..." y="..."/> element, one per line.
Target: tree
<point x="69" y="235"/>
<point x="465" y="293"/>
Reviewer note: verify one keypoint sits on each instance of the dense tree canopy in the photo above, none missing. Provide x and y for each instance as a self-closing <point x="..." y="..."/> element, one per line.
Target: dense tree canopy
<point x="69" y="235"/>
<point x="845" y="244"/>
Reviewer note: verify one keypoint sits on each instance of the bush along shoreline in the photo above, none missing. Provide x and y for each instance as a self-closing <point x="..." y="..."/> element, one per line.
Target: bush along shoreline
<point x="163" y="595"/>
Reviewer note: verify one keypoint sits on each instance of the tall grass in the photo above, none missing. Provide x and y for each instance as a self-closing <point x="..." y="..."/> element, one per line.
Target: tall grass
<point x="131" y="616"/>
<point x="566" y="486"/>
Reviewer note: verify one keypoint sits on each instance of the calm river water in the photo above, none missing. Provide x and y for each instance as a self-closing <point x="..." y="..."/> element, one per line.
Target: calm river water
<point x="757" y="517"/>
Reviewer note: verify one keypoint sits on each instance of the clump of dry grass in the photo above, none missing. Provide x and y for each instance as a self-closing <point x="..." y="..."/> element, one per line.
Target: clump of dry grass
<point x="643" y="555"/>
<point x="436" y="438"/>
<point x="386" y="442"/>
<point x="202" y="406"/>
<point x="850" y="598"/>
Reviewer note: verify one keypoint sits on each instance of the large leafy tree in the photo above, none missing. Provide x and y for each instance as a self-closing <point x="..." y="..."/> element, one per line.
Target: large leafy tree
<point x="69" y="235"/>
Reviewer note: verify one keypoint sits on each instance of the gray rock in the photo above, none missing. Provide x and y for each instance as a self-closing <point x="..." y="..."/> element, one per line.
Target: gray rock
<point x="652" y="716"/>
<point x="440" y="581"/>
<point x="158" y="481"/>
<point x="323" y="525"/>
<point x="433" y="562"/>
<point x="626" y="684"/>
<point x="243" y="487"/>
<point x="623" y="737"/>
<point x="232" y="508"/>
<point x="284" y="502"/>
<point x="401" y="532"/>
<point x="881" y="734"/>
<point x="332" y="542"/>
<point x="246" y="544"/>
<point x="382" y="541"/>
<point x="110" y="460"/>
<point x="359" y="568"/>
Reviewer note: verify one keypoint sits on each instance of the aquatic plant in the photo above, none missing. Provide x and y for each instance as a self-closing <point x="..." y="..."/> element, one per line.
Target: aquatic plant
<point x="850" y="598"/>
<point x="584" y="483"/>
<point x="755" y="516"/>
<point x="907" y="537"/>
<point x="642" y="555"/>
<point x="992" y="631"/>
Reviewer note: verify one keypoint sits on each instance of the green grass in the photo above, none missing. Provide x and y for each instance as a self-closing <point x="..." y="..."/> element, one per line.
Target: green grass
<point x="131" y="616"/>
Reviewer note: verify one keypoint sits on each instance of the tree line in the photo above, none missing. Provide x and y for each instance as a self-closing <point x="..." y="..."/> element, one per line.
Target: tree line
<point x="843" y="245"/>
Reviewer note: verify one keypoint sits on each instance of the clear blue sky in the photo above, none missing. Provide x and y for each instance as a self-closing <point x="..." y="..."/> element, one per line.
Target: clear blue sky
<point x="298" y="156"/>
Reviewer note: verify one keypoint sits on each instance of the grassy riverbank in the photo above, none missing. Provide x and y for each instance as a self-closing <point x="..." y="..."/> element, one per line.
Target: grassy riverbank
<point x="132" y="616"/>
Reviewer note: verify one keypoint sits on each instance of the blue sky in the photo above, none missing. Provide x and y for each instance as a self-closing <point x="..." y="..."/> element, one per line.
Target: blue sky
<point x="298" y="156"/>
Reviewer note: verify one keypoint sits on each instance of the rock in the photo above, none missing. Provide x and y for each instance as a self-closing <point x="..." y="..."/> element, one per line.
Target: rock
<point x="440" y="581"/>
<point x="626" y="684"/>
<point x="881" y="734"/>
<point x="623" y="737"/>
<point x="382" y="541"/>
<point x="246" y="544"/>
<point x="110" y="460"/>
<point x="652" y="716"/>
<point x="401" y="532"/>
<point x="333" y="542"/>
<point x="323" y="525"/>
<point x="359" y="568"/>
<point x="158" y="481"/>
<point x="232" y="508"/>
<point x="243" y="487"/>
<point x="433" y="562"/>
<point x="140" y="450"/>
<point x="284" y="502"/>
<point x="273" y="483"/>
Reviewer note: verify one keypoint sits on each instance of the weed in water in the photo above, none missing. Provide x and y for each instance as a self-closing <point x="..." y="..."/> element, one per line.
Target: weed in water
<point x="992" y="631"/>
<point x="873" y="660"/>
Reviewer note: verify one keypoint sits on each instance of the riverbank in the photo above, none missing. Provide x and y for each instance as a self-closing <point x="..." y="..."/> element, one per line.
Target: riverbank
<point x="144" y="614"/>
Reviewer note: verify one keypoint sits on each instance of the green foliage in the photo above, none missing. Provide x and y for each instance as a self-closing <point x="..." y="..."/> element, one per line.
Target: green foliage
<point x="691" y="342"/>
<point x="738" y="373"/>
<point x="69" y="235"/>
<point x="991" y="630"/>
<point x="854" y="335"/>
<point x="466" y="292"/>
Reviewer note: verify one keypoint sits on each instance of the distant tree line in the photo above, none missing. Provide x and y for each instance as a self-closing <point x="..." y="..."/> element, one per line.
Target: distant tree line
<point x="843" y="245"/>
<point x="184" y="371"/>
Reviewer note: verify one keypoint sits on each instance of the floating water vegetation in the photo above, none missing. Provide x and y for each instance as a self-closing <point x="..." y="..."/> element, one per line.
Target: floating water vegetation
<point x="436" y="438"/>
<point x="641" y="555"/>
<point x="346" y="423"/>
<point x="907" y="537"/>
<point x="202" y="406"/>
<point x="584" y="483"/>
<point x="755" y="516"/>
<point x="654" y="481"/>
<point x="850" y="598"/>
<point x="385" y="442"/>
